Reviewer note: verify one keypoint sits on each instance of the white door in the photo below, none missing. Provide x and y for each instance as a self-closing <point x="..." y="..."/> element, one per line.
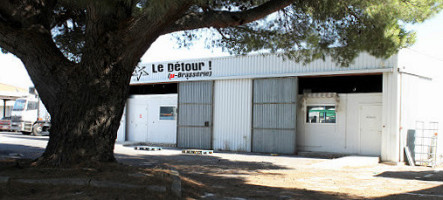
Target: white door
<point x="137" y="120"/>
<point x="370" y="129"/>
<point x="163" y="123"/>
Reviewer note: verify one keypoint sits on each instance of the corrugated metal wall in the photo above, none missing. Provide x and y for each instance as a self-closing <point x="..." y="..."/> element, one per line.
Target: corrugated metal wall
<point x="195" y="115"/>
<point x="232" y="115"/>
<point x="419" y="104"/>
<point x="274" y="115"/>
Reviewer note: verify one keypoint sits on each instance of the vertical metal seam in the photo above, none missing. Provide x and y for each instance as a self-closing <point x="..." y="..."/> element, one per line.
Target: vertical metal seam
<point x="178" y="118"/>
<point x="295" y="114"/>
<point x="252" y="115"/>
<point x="126" y="121"/>
<point x="212" y="117"/>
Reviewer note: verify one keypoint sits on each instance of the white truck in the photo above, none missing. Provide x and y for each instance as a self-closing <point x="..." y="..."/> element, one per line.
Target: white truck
<point x="30" y="116"/>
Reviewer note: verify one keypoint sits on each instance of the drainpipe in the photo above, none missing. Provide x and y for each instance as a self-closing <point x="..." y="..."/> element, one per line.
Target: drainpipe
<point x="399" y="118"/>
<point x="4" y="107"/>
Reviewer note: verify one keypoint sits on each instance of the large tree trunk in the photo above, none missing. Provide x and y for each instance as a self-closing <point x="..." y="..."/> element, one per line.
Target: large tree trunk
<point x="86" y="117"/>
<point x="86" y="99"/>
<point x="90" y="103"/>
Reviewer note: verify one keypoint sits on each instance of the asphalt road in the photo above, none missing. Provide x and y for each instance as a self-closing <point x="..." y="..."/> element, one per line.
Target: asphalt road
<point x="21" y="146"/>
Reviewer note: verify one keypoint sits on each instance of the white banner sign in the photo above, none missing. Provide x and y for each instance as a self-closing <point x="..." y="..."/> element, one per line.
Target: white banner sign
<point x="174" y="71"/>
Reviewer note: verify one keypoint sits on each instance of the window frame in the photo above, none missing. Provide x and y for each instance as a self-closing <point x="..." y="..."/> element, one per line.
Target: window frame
<point x="21" y="101"/>
<point x="320" y="105"/>
<point x="174" y="112"/>
<point x="32" y="105"/>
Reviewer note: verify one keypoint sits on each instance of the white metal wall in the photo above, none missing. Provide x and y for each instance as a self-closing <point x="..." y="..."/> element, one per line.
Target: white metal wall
<point x="390" y="150"/>
<point x="162" y="131"/>
<point x="418" y="104"/>
<point x="258" y="66"/>
<point x="420" y="98"/>
<point x="137" y="118"/>
<point x="232" y="115"/>
<point x="143" y="119"/>
<point x="121" y="133"/>
<point x="344" y="135"/>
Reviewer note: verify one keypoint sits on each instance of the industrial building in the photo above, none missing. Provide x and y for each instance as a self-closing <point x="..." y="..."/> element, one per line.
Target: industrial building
<point x="265" y="103"/>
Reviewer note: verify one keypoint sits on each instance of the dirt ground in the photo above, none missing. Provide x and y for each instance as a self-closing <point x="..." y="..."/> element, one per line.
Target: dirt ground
<point x="258" y="176"/>
<point x="227" y="175"/>
<point x="109" y="181"/>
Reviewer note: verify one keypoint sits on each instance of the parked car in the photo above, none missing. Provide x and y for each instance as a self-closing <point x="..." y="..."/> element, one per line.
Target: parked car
<point x="5" y="124"/>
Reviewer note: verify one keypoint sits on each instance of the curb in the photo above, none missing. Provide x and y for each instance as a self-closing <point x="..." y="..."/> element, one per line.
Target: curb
<point x="174" y="188"/>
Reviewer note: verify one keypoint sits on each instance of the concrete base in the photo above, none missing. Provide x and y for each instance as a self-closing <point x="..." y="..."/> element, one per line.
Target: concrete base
<point x="348" y="161"/>
<point x="130" y="144"/>
<point x="327" y="155"/>
<point x="395" y="163"/>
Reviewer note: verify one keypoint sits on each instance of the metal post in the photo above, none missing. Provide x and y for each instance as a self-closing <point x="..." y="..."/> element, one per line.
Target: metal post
<point x="4" y="107"/>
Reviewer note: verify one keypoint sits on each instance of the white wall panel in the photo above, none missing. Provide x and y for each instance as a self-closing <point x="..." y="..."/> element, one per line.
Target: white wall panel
<point x="341" y="137"/>
<point x="121" y="133"/>
<point x="137" y="119"/>
<point x="355" y="104"/>
<point x="322" y="137"/>
<point x="232" y="115"/>
<point x="390" y="150"/>
<point x="419" y="103"/>
<point x="143" y="119"/>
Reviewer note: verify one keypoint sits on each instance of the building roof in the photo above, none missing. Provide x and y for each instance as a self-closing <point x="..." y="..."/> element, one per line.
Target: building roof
<point x="253" y="66"/>
<point x="9" y="92"/>
<point x="10" y="88"/>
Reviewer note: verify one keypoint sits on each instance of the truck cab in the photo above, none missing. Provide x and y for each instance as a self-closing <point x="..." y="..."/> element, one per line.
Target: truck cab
<point x="29" y="116"/>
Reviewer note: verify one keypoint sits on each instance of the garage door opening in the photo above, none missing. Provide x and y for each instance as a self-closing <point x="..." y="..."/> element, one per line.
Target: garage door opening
<point x="341" y="84"/>
<point x="169" y="88"/>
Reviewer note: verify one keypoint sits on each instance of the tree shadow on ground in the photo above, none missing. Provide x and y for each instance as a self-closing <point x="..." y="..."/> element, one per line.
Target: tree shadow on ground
<point x="212" y="177"/>
<point x="218" y="178"/>
<point x="430" y="175"/>
<point x="20" y="151"/>
<point x="431" y="193"/>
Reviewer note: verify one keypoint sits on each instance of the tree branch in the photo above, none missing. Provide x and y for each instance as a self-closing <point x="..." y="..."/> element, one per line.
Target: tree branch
<point x="42" y="59"/>
<point x="26" y="14"/>
<point x="144" y="29"/>
<point x="223" y="19"/>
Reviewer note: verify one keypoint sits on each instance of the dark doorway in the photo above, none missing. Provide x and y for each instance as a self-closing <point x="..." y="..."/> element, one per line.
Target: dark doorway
<point x="342" y="84"/>
<point x="168" y="88"/>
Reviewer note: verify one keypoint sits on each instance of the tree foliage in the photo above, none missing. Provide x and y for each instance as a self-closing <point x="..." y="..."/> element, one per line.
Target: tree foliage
<point x="304" y="31"/>
<point x="309" y="30"/>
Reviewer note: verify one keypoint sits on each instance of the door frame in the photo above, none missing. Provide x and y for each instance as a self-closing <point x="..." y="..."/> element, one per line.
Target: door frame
<point x="380" y="115"/>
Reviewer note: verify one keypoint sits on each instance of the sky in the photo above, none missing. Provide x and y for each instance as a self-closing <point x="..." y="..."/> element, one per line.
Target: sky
<point x="429" y="42"/>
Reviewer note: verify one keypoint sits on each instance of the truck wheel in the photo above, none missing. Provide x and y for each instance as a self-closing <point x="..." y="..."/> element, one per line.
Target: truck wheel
<point x="36" y="130"/>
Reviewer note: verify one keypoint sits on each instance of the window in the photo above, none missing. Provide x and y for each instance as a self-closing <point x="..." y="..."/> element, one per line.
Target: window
<point x="167" y="113"/>
<point x="32" y="105"/>
<point x="19" y="105"/>
<point x="320" y="114"/>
